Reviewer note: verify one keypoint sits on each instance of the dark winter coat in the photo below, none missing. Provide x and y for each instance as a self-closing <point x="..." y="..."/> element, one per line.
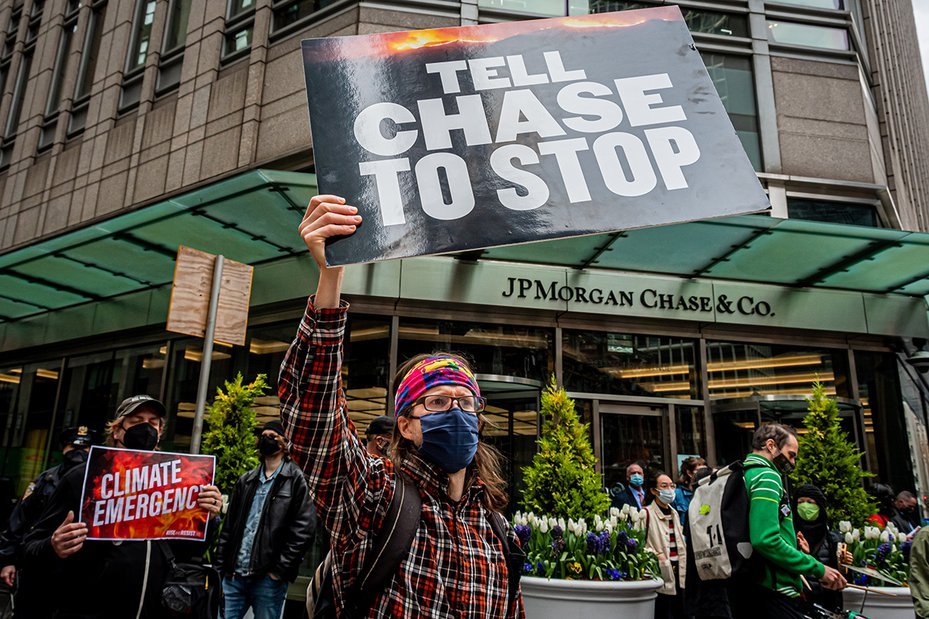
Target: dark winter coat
<point x="285" y="530"/>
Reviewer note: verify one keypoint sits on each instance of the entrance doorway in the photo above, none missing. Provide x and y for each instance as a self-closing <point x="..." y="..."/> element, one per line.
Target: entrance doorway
<point x="632" y="433"/>
<point x="512" y="416"/>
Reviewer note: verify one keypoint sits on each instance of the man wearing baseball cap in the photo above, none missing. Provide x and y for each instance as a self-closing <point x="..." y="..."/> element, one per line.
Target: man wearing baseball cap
<point x="74" y="443"/>
<point x="97" y="579"/>
<point x="379" y="434"/>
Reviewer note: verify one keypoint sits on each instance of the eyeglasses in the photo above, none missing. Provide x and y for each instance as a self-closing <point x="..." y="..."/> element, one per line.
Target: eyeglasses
<point x="441" y="403"/>
<point x="668" y="487"/>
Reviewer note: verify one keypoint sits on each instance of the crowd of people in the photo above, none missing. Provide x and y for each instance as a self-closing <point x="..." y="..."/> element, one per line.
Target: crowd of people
<point x="413" y="514"/>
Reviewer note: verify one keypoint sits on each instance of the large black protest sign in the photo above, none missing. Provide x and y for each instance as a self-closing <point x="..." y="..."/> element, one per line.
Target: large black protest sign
<point x="473" y="137"/>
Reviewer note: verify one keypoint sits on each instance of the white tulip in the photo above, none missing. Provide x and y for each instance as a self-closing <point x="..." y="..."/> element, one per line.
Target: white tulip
<point x="543" y="526"/>
<point x="885" y="536"/>
<point x="552" y="522"/>
<point x="845" y="526"/>
<point x="892" y="528"/>
<point x="562" y="524"/>
<point x="856" y="535"/>
<point x="849" y="538"/>
<point x="614" y="512"/>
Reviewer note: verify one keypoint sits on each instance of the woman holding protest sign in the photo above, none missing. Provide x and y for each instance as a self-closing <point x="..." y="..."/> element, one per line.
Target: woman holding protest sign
<point x="457" y="563"/>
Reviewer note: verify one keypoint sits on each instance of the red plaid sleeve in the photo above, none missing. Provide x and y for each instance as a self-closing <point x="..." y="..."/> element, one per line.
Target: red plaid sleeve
<point x="349" y="487"/>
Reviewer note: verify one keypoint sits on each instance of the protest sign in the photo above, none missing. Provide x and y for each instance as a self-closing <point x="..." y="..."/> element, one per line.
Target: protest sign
<point x="138" y="495"/>
<point x="480" y="136"/>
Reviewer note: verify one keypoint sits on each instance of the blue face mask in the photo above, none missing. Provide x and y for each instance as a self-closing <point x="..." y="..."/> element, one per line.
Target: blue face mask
<point x="449" y="438"/>
<point x="636" y="480"/>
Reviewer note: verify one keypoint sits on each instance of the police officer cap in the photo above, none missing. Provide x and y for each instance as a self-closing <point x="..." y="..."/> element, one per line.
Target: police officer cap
<point x="79" y="436"/>
<point x="130" y="404"/>
<point x="380" y="426"/>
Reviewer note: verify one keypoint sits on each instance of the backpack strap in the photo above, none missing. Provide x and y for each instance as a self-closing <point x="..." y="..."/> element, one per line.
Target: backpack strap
<point x="514" y="555"/>
<point x="392" y="543"/>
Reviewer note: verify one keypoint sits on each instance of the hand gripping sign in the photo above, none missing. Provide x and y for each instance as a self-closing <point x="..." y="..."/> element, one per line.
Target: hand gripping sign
<point x="480" y="136"/>
<point x="138" y="495"/>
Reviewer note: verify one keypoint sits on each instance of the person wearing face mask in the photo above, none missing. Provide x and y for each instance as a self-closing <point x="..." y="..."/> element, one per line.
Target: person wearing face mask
<point x="98" y="579"/>
<point x="906" y="517"/>
<point x="815" y="538"/>
<point x="74" y="442"/>
<point x="685" y="487"/>
<point x="456" y="565"/>
<point x="268" y="528"/>
<point x="777" y="585"/>
<point x="378" y="436"/>
<point x="634" y="492"/>
<point x="665" y="538"/>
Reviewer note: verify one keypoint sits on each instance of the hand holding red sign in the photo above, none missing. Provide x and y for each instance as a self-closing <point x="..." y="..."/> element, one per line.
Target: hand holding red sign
<point x="132" y="494"/>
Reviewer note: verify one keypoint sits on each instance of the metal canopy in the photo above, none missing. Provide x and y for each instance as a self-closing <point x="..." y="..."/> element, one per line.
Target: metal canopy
<point x="751" y="248"/>
<point x="252" y="218"/>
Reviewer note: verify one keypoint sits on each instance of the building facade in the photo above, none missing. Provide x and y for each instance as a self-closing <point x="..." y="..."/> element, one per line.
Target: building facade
<point x="133" y="126"/>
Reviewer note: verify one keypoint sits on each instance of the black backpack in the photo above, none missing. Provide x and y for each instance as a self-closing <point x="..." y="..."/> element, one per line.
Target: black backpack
<point x="391" y="546"/>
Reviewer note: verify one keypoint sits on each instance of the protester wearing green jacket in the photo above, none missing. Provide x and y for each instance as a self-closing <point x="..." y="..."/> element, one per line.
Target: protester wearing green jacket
<point x="919" y="573"/>
<point x="778" y="583"/>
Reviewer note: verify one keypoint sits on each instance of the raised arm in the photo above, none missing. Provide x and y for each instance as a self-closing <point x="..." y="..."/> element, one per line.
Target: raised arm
<point x="347" y="485"/>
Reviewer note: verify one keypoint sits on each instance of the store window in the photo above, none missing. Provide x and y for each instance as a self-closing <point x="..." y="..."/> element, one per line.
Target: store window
<point x="807" y="35"/>
<point x="742" y="370"/>
<point x="240" y="27"/>
<point x="627" y="364"/>
<point x="88" y="66"/>
<point x="631" y="434"/>
<point x="690" y="424"/>
<point x="852" y="213"/>
<point x="885" y="432"/>
<point x="171" y="61"/>
<point x="734" y="81"/>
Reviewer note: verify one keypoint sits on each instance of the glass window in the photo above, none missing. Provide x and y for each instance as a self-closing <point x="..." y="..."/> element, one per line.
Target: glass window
<point x="238" y="40"/>
<point x="631" y="434"/>
<point x="289" y="12"/>
<point x="504" y="350"/>
<point x="181" y="400"/>
<point x="534" y="7"/>
<point x="176" y="32"/>
<point x="32" y="424"/>
<point x="61" y="64"/>
<point x="237" y="7"/>
<point x="816" y="4"/>
<point x="10" y="379"/>
<point x="735" y="83"/>
<point x="691" y="432"/>
<point x="141" y="36"/>
<point x="240" y="25"/>
<point x="19" y="95"/>
<point x="885" y="432"/>
<point x="90" y="390"/>
<point x="823" y="37"/>
<point x="625" y="364"/>
<point x="834" y="212"/>
<point x="708" y="22"/>
<point x="90" y="53"/>
<point x="141" y="370"/>
<point x="743" y="370"/>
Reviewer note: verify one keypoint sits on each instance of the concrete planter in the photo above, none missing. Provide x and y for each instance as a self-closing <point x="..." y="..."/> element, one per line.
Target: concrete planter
<point x="877" y="606"/>
<point x="587" y="599"/>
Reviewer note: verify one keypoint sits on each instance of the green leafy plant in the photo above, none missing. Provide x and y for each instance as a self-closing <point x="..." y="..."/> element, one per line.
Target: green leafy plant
<point x="831" y="462"/>
<point x="562" y="482"/>
<point x="606" y="549"/>
<point x="230" y="434"/>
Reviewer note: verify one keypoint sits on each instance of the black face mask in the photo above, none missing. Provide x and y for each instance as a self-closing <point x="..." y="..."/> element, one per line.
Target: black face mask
<point x="142" y="436"/>
<point x="784" y="465"/>
<point x="268" y="446"/>
<point x="74" y="458"/>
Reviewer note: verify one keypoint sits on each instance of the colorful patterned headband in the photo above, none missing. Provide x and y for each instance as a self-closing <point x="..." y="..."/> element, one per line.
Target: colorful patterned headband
<point x="429" y="373"/>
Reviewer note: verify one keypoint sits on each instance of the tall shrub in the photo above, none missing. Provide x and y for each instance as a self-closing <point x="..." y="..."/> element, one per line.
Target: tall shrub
<point x="230" y="434"/>
<point x="831" y="462"/>
<point x="561" y="481"/>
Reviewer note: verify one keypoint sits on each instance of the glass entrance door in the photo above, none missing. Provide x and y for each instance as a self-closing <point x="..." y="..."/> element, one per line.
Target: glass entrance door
<point x="632" y="433"/>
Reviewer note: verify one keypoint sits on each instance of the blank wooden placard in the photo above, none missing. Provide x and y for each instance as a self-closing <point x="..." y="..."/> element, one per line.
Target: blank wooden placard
<point x="190" y="297"/>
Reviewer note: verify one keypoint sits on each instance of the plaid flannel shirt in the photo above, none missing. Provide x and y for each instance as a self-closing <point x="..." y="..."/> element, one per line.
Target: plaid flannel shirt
<point x="456" y="566"/>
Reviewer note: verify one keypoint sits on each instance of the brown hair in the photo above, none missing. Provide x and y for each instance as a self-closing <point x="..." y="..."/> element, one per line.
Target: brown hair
<point x="488" y="461"/>
<point x="690" y="465"/>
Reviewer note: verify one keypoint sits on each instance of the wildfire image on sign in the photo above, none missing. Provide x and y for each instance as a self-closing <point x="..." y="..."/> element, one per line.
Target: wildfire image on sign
<point x="138" y="495"/>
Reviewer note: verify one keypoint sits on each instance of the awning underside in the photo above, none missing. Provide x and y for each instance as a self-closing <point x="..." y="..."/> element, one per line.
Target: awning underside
<point x="252" y="218"/>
